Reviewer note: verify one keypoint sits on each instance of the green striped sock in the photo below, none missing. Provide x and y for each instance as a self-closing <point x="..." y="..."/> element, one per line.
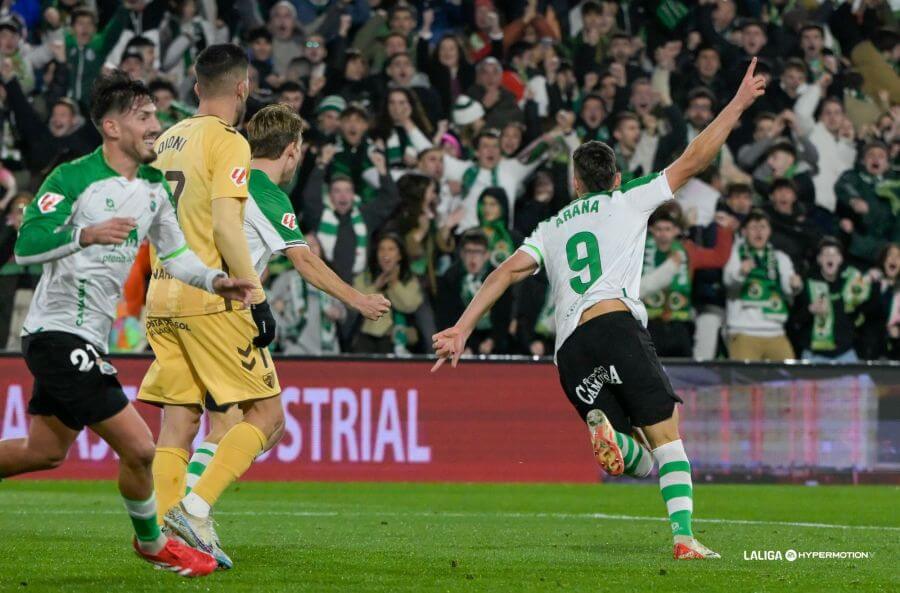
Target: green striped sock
<point x="638" y="460"/>
<point x="143" y="517"/>
<point x="676" y="487"/>
<point x="199" y="460"/>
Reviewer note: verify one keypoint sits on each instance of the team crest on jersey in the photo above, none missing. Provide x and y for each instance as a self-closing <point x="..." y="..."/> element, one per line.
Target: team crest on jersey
<point x="289" y="221"/>
<point x="47" y="202"/>
<point x="239" y="176"/>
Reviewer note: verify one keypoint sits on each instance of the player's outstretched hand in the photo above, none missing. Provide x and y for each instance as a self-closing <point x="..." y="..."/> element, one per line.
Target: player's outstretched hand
<point x="753" y="86"/>
<point x="234" y="289"/>
<point x="373" y="306"/>
<point x="449" y="345"/>
<point x="109" y="232"/>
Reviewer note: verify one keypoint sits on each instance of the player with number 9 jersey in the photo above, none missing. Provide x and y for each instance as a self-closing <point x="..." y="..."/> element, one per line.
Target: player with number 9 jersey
<point x="593" y="251"/>
<point x="589" y="260"/>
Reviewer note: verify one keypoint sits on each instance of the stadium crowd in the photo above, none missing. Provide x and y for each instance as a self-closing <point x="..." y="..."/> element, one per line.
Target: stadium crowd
<point x="788" y="247"/>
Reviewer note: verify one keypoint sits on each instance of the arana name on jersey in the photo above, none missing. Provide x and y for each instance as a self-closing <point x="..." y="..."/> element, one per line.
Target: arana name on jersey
<point x="582" y="206"/>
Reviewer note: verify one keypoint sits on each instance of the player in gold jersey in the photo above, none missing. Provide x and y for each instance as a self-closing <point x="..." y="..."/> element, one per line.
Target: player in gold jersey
<point x="206" y="344"/>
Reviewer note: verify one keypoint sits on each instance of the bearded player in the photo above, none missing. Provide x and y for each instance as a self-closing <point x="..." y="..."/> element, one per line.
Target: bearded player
<point x="85" y="227"/>
<point x="593" y="253"/>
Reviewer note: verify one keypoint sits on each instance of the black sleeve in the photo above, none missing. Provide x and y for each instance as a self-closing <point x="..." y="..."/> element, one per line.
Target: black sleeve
<point x="448" y="303"/>
<point x="379" y="210"/>
<point x="423" y="56"/>
<point x="313" y="206"/>
<point x="7" y="241"/>
<point x="501" y="315"/>
<point x="532" y="122"/>
<point x="38" y="141"/>
<point x="673" y="142"/>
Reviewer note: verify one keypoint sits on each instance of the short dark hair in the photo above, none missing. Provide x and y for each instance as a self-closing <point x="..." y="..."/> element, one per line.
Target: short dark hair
<point x="829" y="241"/>
<point x="473" y="237"/>
<point x="83" y="12"/>
<point x="753" y="23"/>
<point x="217" y="62"/>
<point x="355" y="109"/>
<point x="259" y="33"/>
<point x="764" y="115"/>
<point x="595" y="165"/>
<point x="795" y="64"/>
<point x="624" y="116"/>
<point x="67" y="102"/>
<point x="814" y="26"/>
<point x="138" y="42"/>
<point x="783" y="182"/>
<point x="485" y="133"/>
<point x="700" y="92"/>
<point x="591" y="6"/>
<point x="289" y="86"/>
<point x="116" y="92"/>
<point x="161" y="84"/>
<point x="757" y="214"/>
<point x="669" y="211"/>
<point x="737" y="188"/>
<point x="272" y="129"/>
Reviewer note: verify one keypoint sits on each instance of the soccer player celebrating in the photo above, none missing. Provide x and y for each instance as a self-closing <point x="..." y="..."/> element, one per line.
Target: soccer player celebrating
<point x="271" y="227"/>
<point x="205" y="344"/>
<point x="85" y="227"/>
<point x="592" y="251"/>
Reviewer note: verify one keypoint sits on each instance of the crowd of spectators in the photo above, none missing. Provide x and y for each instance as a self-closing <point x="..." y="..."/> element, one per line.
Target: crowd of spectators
<point x="786" y="247"/>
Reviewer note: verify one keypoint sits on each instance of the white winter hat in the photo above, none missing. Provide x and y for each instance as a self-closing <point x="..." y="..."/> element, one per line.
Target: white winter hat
<point x="466" y="110"/>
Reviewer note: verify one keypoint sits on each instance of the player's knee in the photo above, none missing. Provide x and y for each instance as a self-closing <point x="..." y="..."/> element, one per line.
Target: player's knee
<point x="139" y="455"/>
<point x="275" y="437"/>
<point x="267" y="415"/>
<point x="47" y="459"/>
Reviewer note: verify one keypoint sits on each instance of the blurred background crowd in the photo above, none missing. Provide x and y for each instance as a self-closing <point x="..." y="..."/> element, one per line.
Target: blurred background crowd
<point x="786" y="247"/>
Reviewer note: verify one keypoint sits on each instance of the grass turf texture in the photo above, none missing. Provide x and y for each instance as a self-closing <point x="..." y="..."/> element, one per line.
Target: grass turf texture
<point x="74" y="536"/>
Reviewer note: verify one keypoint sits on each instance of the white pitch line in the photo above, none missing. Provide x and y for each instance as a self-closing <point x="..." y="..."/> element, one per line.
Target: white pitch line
<point x="465" y="514"/>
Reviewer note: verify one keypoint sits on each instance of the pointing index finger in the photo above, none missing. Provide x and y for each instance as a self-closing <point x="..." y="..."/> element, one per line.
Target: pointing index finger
<point x="751" y="69"/>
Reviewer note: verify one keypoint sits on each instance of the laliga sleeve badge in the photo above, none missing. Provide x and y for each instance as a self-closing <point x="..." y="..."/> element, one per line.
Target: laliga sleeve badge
<point x="106" y="368"/>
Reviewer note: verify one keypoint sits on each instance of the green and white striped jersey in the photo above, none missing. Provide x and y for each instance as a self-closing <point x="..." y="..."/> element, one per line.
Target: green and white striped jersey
<point x="269" y="221"/>
<point x="80" y="286"/>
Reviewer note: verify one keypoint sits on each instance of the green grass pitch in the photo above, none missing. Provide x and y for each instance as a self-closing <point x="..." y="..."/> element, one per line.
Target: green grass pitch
<point x="74" y="536"/>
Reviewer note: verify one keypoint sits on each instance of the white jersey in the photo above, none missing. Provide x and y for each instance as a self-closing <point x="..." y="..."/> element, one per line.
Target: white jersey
<point x="269" y="221"/>
<point x="593" y="249"/>
<point x="80" y="286"/>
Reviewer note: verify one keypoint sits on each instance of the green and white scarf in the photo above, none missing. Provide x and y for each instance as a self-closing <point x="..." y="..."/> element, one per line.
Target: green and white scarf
<point x="855" y="290"/>
<point x="672" y="303"/>
<point x="470" y="285"/>
<point x="328" y="230"/>
<point x="545" y="326"/>
<point x="298" y="306"/>
<point x="397" y="145"/>
<point x="471" y="174"/>
<point x="762" y="288"/>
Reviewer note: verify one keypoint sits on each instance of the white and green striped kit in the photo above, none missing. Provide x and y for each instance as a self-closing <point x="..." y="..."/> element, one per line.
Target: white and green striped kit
<point x="81" y="286"/>
<point x="328" y="231"/>
<point x="676" y="485"/>
<point x="593" y="249"/>
<point x="270" y="223"/>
